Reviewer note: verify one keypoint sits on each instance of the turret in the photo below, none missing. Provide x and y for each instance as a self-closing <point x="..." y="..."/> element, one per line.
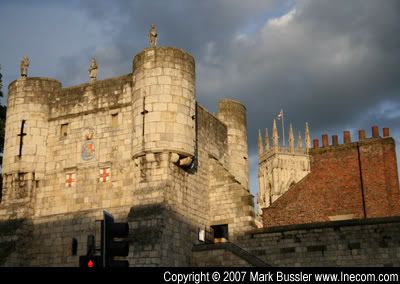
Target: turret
<point x="233" y="114"/>
<point x="26" y="134"/>
<point x="164" y="102"/>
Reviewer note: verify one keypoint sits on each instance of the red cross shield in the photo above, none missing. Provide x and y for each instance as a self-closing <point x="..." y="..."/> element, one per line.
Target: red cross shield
<point x="70" y="179"/>
<point x="104" y="175"/>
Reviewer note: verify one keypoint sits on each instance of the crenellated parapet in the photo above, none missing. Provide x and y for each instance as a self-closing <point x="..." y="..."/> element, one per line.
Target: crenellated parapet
<point x="347" y="138"/>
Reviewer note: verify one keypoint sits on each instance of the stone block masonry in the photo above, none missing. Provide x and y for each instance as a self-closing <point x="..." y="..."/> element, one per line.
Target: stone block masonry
<point x="138" y="146"/>
<point x="368" y="242"/>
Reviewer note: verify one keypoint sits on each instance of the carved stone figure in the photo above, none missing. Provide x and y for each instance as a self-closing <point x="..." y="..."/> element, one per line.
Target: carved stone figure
<point x="93" y="70"/>
<point x="153" y="36"/>
<point x="24" y="66"/>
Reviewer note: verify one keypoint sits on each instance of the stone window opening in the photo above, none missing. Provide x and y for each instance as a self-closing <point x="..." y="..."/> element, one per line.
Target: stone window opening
<point x="74" y="247"/>
<point x="220" y="233"/>
<point x="114" y="120"/>
<point x="64" y="130"/>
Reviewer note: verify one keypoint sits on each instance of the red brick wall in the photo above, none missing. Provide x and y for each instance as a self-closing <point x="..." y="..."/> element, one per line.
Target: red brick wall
<point x="334" y="185"/>
<point x="380" y="178"/>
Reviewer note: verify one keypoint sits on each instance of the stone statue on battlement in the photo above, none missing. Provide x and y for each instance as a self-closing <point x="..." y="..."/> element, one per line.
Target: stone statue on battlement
<point x="24" y="66"/>
<point x="153" y="36"/>
<point x="93" y="70"/>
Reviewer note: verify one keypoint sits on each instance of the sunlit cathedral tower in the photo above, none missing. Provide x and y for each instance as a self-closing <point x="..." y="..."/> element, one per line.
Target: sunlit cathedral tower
<point x="280" y="167"/>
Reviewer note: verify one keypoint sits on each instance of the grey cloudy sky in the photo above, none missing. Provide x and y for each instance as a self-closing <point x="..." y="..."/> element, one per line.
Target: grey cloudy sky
<point x="335" y="64"/>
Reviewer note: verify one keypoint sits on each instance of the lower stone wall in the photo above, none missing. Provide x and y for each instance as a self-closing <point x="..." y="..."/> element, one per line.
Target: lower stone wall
<point x="47" y="241"/>
<point x="218" y="258"/>
<point x="14" y="241"/>
<point x="230" y="202"/>
<point x="224" y="255"/>
<point x="160" y="237"/>
<point x="368" y="242"/>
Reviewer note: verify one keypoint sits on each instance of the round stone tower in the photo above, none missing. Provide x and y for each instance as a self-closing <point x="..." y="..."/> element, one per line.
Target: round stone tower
<point x="27" y="126"/>
<point x="164" y="102"/>
<point x="233" y="114"/>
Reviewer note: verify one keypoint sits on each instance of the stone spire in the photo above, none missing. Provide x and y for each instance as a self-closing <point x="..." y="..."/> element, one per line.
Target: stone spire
<point x="300" y="142"/>
<point x="260" y="144"/>
<point x="275" y="137"/>
<point x="308" y="140"/>
<point x="266" y="140"/>
<point x="291" y="139"/>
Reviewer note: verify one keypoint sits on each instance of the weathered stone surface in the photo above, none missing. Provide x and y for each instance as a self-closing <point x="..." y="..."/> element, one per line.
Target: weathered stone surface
<point x="121" y="144"/>
<point x="371" y="242"/>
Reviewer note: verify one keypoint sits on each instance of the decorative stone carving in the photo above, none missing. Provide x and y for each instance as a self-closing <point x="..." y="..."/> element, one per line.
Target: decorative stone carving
<point x="24" y="66"/>
<point x="93" y="70"/>
<point x="153" y="36"/>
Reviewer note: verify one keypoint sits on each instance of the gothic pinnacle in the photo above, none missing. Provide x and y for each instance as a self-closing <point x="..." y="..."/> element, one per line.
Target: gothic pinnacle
<point x="308" y="140"/>
<point x="260" y="144"/>
<point x="299" y="142"/>
<point x="291" y="139"/>
<point x="275" y="137"/>
<point x="266" y="140"/>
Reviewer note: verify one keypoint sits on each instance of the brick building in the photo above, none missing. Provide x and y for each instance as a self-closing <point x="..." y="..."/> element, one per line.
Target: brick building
<point x="353" y="180"/>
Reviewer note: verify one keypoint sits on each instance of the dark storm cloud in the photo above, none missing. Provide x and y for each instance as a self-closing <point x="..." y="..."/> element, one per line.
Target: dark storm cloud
<point x="334" y="64"/>
<point x="323" y="62"/>
<point x="190" y="25"/>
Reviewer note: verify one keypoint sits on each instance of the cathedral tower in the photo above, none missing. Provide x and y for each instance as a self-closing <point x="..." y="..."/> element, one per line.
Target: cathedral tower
<point x="280" y="167"/>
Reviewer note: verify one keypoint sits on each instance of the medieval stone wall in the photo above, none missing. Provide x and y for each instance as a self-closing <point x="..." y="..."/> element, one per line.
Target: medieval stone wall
<point x="233" y="114"/>
<point x="371" y="242"/>
<point x="230" y="202"/>
<point x="137" y="146"/>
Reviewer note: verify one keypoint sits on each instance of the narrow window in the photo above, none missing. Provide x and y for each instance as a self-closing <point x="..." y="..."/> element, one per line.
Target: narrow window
<point x="74" y="246"/>
<point x="64" y="129"/>
<point x="114" y="120"/>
